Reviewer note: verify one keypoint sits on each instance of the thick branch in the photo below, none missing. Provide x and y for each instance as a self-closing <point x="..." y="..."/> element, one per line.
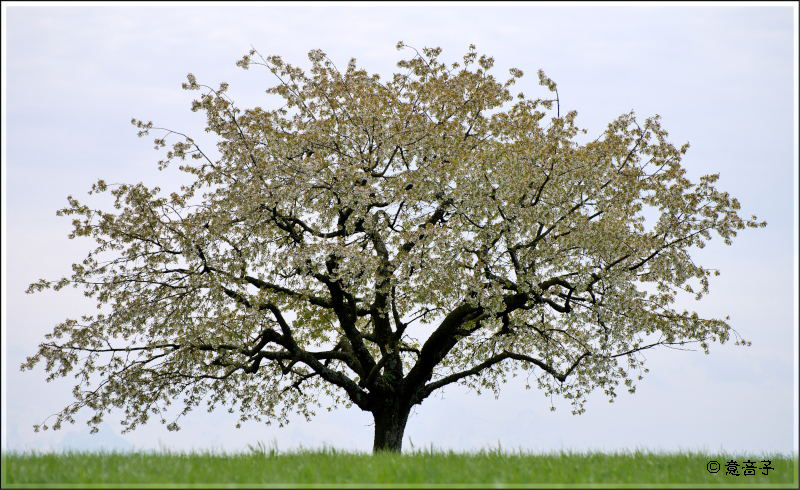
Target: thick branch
<point x="488" y="363"/>
<point x="444" y="338"/>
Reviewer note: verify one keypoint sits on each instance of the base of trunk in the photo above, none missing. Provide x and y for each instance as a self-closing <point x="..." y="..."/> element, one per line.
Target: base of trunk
<point x="390" y="425"/>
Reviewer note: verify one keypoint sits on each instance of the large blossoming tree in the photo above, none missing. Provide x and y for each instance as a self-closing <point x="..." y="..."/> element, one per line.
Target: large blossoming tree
<point x="372" y="241"/>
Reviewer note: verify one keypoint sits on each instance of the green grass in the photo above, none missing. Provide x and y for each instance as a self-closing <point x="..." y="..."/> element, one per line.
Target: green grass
<point x="330" y="468"/>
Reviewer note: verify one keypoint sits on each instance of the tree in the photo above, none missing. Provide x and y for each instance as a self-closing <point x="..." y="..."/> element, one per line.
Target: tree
<point x="295" y="266"/>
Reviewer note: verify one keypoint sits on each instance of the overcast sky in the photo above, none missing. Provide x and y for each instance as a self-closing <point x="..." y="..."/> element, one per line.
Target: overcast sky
<point x="720" y="76"/>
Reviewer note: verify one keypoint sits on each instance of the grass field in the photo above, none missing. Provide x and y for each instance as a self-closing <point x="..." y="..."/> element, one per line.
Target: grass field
<point x="418" y="469"/>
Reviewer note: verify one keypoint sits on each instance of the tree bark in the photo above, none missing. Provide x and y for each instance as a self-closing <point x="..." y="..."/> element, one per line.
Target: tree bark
<point x="390" y="425"/>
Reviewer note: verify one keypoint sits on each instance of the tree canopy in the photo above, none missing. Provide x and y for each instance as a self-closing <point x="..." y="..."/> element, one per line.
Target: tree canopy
<point x="371" y="241"/>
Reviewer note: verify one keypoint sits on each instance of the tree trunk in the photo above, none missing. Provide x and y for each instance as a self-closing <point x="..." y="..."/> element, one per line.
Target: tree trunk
<point x="390" y="424"/>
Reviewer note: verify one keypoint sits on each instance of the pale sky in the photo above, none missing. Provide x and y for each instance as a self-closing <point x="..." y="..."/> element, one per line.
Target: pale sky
<point x="722" y="77"/>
